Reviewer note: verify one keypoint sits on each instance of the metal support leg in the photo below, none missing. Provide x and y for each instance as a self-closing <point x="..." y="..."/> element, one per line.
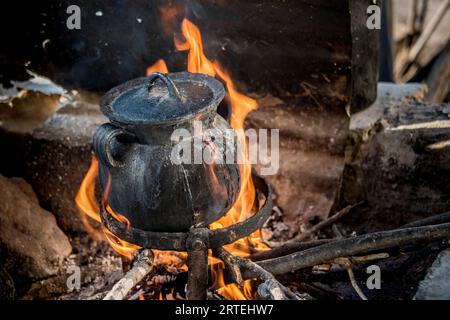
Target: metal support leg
<point x="197" y="244"/>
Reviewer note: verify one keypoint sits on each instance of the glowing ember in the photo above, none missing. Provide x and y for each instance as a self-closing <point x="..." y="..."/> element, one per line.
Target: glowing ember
<point x="242" y="209"/>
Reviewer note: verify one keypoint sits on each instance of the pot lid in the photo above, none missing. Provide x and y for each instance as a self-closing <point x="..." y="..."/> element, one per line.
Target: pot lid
<point x="162" y="98"/>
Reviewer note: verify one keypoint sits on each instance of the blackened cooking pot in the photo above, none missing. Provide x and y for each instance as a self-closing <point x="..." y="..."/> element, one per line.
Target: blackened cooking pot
<point x="151" y="120"/>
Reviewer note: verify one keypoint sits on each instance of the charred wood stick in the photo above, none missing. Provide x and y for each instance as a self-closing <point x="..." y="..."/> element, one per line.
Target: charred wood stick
<point x="398" y="261"/>
<point x="142" y="267"/>
<point x="287" y="248"/>
<point x="232" y="264"/>
<point x="291" y="247"/>
<point x="433" y="220"/>
<point x="270" y="288"/>
<point x="352" y="246"/>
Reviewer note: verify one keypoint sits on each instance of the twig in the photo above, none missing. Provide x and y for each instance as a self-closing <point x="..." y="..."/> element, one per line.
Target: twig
<point x="231" y="263"/>
<point x="370" y="257"/>
<point x="355" y="259"/>
<point x="337" y="233"/>
<point x="433" y="220"/>
<point x="347" y="264"/>
<point x="142" y="267"/>
<point x="287" y="248"/>
<point x="352" y="246"/>
<point x="270" y="288"/>
<point x="342" y="261"/>
<point x="307" y="88"/>
<point x="291" y="247"/>
<point x="323" y="224"/>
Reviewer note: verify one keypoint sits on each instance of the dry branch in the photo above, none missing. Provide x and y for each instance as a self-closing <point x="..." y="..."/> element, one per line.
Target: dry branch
<point x="270" y="288"/>
<point x="433" y="220"/>
<point x="352" y="246"/>
<point x="287" y="248"/>
<point x="232" y="265"/>
<point x="370" y="257"/>
<point x="142" y="267"/>
<point x="347" y="264"/>
<point x="323" y="224"/>
<point x="292" y="247"/>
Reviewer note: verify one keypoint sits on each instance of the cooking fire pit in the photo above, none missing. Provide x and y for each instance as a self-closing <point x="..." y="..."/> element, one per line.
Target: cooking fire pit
<point x="359" y="170"/>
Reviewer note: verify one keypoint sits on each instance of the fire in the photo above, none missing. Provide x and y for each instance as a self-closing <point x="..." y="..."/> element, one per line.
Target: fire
<point x="85" y="199"/>
<point x="159" y="66"/>
<point x="197" y="61"/>
<point x="241" y="105"/>
<point x="88" y="206"/>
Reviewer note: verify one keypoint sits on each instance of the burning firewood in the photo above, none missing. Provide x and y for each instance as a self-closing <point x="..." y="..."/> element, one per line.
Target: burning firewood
<point x="141" y="268"/>
<point x="269" y="289"/>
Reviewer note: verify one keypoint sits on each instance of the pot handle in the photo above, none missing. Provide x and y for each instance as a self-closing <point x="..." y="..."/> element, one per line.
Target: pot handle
<point x="173" y="90"/>
<point x="102" y="143"/>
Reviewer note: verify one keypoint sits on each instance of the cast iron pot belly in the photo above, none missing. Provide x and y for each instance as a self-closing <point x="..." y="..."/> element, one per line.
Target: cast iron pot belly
<point x="135" y="152"/>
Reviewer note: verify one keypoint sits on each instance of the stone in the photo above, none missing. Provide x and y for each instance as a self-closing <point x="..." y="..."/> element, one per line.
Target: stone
<point x="436" y="285"/>
<point x="19" y="115"/>
<point x="32" y="244"/>
<point x="58" y="154"/>
<point x="397" y="161"/>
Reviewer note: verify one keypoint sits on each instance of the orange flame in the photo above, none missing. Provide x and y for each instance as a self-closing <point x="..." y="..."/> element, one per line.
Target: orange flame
<point x="241" y="105"/>
<point x="197" y="61"/>
<point x="85" y="198"/>
<point x="158" y="66"/>
<point x="87" y="204"/>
